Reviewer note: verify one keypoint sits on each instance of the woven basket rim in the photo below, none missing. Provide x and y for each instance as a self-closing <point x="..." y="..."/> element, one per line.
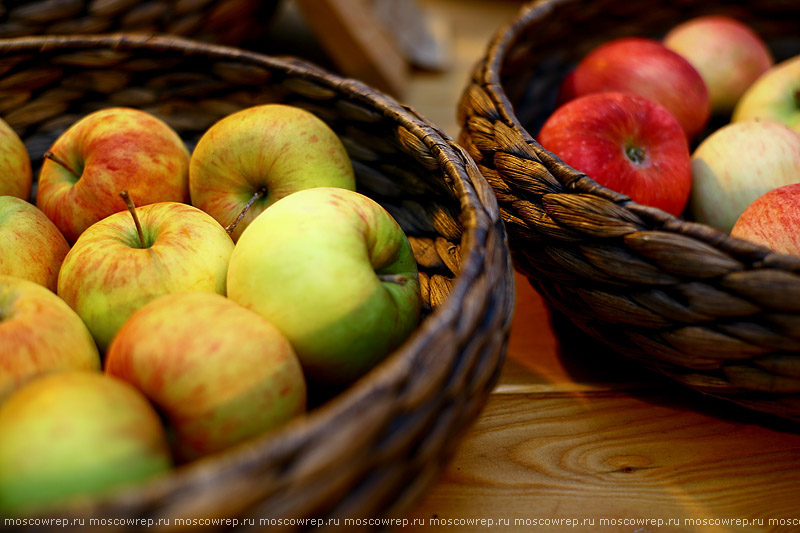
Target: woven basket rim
<point x="488" y="75"/>
<point x="390" y="375"/>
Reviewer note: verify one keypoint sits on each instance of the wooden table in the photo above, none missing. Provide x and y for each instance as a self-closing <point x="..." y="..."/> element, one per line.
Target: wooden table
<point x="573" y="431"/>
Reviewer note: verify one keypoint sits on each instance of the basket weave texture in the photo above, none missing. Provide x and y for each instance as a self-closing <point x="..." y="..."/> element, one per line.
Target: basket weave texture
<point x="374" y="449"/>
<point x="715" y="313"/>
<point x="230" y="22"/>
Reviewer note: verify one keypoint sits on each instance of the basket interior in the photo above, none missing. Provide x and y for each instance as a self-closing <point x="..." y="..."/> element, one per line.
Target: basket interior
<point x="44" y="92"/>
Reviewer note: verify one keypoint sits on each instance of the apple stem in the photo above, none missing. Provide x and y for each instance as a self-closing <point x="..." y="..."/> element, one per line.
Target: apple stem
<point x="132" y="209"/>
<point x="400" y="279"/>
<point x="230" y="228"/>
<point x="53" y="157"/>
<point x="635" y="154"/>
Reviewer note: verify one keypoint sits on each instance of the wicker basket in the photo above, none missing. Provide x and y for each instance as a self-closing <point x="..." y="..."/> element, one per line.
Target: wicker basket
<point x="715" y="313"/>
<point x="372" y="450"/>
<point x="231" y="22"/>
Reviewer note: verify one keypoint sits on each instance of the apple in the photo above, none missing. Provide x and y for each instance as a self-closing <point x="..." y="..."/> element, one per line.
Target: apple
<point x="39" y="333"/>
<point x="76" y="434"/>
<point x="16" y="174"/>
<point x="251" y="158"/>
<point x="31" y="246"/>
<point x="728" y="55"/>
<point x="334" y="272"/>
<point x="117" y="265"/>
<point x="738" y="163"/>
<point x="648" y="68"/>
<point x="772" y="220"/>
<point x="773" y="96"/>
<point x="219" y="373"/>
<point x="625" y="142"/>
<point x="103" y="153"/>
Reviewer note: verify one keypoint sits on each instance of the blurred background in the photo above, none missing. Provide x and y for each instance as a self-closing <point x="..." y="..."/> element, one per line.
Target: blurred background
<point x="419" y="51"/>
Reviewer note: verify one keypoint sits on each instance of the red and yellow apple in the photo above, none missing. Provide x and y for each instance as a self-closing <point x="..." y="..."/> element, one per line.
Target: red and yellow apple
<point x="218" y="373"/>
<point x="16" y="174"/>
<point x="250" y="159"/>
<point x="736" y="164"/>
<point x="624" y="142"/>
<point x="772" y="220"/>
<point x="105" y="152"/>
<point x="648" y="68"/>
<point x="31" y="246"/>
<point x="113" y="269"/>
<point x="39" y="333"/>
<point x="76" y="434"/>
<point x="726" y="52"/>
<point x="333" y="271"/>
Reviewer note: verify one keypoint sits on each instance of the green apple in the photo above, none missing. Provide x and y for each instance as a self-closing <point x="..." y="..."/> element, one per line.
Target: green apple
<point x="76" y="434"/>
<point x="738" y="163"/>
<point x="219" y="373"/>
<point x="335" y="273"/>
<point x="105" y="152"/>
<point x="114" y="269"/>
<point x="251" y="158"/>
<point x="775" y="95"/>
<point x="16" y="175"/>
<point x="726" y="52"/>
<point x="31" y="246"/>
<point x="39" y="333"/>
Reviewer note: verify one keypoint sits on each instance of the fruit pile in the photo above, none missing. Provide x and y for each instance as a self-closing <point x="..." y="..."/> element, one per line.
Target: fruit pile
<point x="701" y="124"/>
<point x="158" y="306"/>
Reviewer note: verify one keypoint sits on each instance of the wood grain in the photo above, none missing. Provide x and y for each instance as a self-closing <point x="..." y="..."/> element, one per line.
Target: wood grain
<point x="605" y="455"/>
<point x="573" y="431"/>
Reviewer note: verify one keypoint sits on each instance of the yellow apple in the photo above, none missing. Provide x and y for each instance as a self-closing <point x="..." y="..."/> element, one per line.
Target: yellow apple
<point x="250" y="159"/>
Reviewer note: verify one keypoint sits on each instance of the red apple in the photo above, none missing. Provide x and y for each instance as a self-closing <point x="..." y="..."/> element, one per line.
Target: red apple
<point x="648" y="68"/>
<point x="728" y="55"/>
<point x="624" y="142"/>
<point x="772" y="220"/>
<point x="104" y="153"/>
<point x="31" y="247"/>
